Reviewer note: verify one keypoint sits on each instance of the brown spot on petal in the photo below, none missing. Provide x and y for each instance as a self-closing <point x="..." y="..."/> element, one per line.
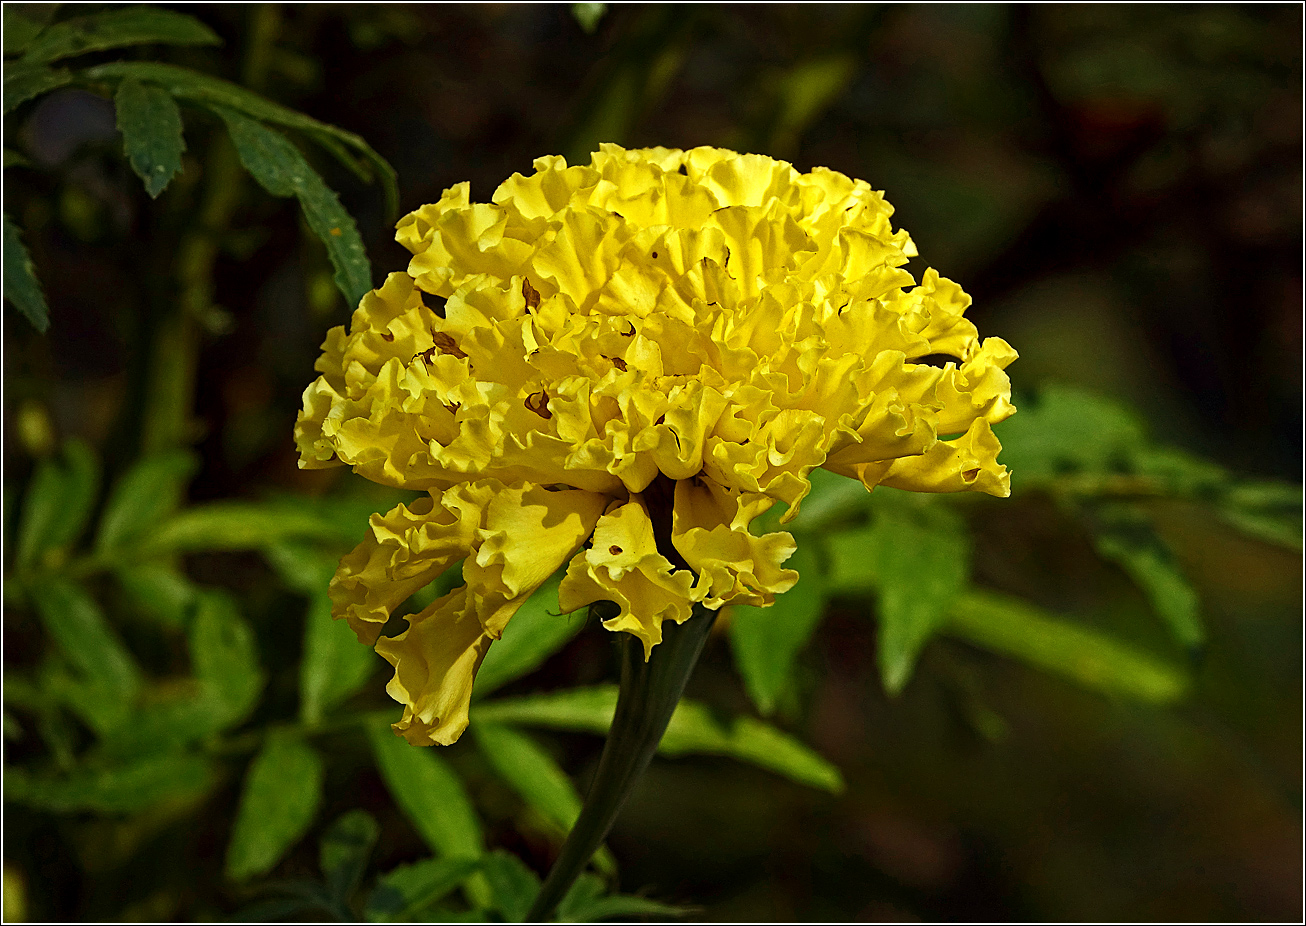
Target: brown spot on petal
<point x="970" y="475"/>
<point x="530" y="294"/>
<point x="655" y="255"/>
<point x="662" y="419"/>
<point x="615" y="550"/>
<point x="538" y="402"/>
<point x="445" y="344"/>
<point x="619" y="364"/>
<point x="387" y="336"/>
<point x="452" y="408"/>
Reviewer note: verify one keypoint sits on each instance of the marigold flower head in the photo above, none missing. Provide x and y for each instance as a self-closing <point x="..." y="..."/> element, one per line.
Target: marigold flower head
<point x="644" y="353"/>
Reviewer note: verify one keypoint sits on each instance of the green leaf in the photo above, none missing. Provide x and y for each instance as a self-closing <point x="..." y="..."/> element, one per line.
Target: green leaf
<point x="402" y="891"/>
<point x="151" y="128"/>
<point x="138" y="25"/>
<point x="280" y="797"/>
<point x="1068" y="430"/>
<point x="214" y="94"/>
<point x="1267" y="510"/>
<point x="346" y="848"/>
<point x="531" y="772"/>
<point x="58" y="503"/>
<point x="159" y="591"/>
<point x="144" y="496"/>
<point x="235" y="526"/>
<point x="20" y="85"/>
<point x="1129" y="540"/>
<point x="603" y="908"/>
<point x="274" y="161"/>
<point x="921" y="562"/>
<point x="20" y="283"/>
<point x="1016" y="628"/>
<point x="588" y="15"/>
<point x="513" y="886"/>
<point x="766" y="641"/>
<point x="113" y="789"/>
<point x="534" y="634"/>
<point x="225" y="658"/>
<point x="79" y="629"/>
<point x="833" y="498"/>
<point x="692" y="729"/>
<point x="19" y="30"/>
<point x="429" y="793"/>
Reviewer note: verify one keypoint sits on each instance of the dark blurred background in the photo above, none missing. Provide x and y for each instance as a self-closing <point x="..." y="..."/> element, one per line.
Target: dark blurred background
<point x="1119" y="187"/>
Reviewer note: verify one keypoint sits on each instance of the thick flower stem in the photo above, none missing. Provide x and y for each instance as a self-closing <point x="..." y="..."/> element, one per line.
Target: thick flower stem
<point x="649" y="694"/>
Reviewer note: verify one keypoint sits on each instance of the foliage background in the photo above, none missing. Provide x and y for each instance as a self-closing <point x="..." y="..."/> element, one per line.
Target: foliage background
<point x="1119" y="189"/>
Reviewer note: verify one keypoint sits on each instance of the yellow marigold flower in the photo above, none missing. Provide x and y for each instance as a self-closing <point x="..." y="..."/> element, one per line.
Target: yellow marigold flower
<point x="644" y="353"/>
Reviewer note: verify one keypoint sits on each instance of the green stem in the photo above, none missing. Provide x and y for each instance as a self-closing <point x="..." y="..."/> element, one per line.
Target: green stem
<point x="650" y="691"/>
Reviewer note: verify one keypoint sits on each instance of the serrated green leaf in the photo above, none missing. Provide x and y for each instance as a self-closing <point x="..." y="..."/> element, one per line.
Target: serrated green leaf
<point x="692" y="730"/>
<point x="535" y="633"/>
<point x="235" y="526"/>
<point x="346" y="848"/>
<point x="58" y="503"/>
<point x="402" y="891"/>
<point x="278" y="801"/>
<point x="1016" y="628"/>
<point x="1068" y="430"/>
<point x="513" y="886"/>
<point x="766" y="641"/>
<point x="214" y="94"/>
<point x="79" y="629"/>
<point x="19" y="30"/>
<point x="152" y="137"/>
<point x="531" y="772"/>
<point x="138" y="25"/>
<point x="429" y="793"/>
<point x="26" y="83"/>
<point x="143" y="496"/>
<point x="20" y="283"/>
<point x="274" y="161"/>
<point x="921" y="563"/>
<point x="113" y="789"/>
<point x="1128" y="540"/>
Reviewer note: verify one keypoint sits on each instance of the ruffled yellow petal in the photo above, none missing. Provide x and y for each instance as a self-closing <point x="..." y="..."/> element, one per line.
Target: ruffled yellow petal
<point x="623" y="565"/>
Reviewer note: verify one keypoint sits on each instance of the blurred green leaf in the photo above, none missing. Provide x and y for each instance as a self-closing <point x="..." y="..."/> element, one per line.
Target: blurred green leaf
<point x="588" y="15"/>
<point x="766" y="641"/>
<point x="274" y="161"/>
<point x="20" y="283"/>
<point x="603" y="908"/>
<point x="513" y="886"/>
<point x="534" y="634"/>
<point x="160" y="591"/>
<point x="20" y="85"/>
<point x="138" y="25"/>
<point x="280" y="797"/>
<point x="216" y="94"/>
<point x="79" y="629"/>
<point x="18" y="30"/>
<point x="58" y="503"/>
<point x="429" y="793"/>
<point x="1018" y="629"/>
<point x="832" y="498"/>
<point x="144" y="495"/>
<point x="235" y="526"/>
<point x="692" y="729"/>
<point x="1127" y="539"/>
<point x="1068" y="430"/>
<point x="531" y="772"/>
<point x="112" y="789"/>
<point x="1267" y="510"/>
<point x="346" y="848"/>
<point x="402" y="891"/>
<point x="1180" y="472"/>
<point x="152" y="137"/>
<point x="805" y="92"/>
<point x="921" y="559"/>
<point x="225" y="658"/>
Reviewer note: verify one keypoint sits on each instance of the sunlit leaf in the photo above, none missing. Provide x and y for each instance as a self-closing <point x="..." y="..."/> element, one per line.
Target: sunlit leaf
<point x="535" y="633"/>
<point x="1016" y="628"/>
<point x="150" y="490"/>
<point x="766" y="641"/>
<point x="151" y="128"/>
<point x="138" y="25"/>
<point x="112" y="789"/>
<point x="404" y="890"/>
<point x="346" y="847"/>
<point x="513" y="886"/>
<point x="214" y="93"/>
<point x="280" y="797"/>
